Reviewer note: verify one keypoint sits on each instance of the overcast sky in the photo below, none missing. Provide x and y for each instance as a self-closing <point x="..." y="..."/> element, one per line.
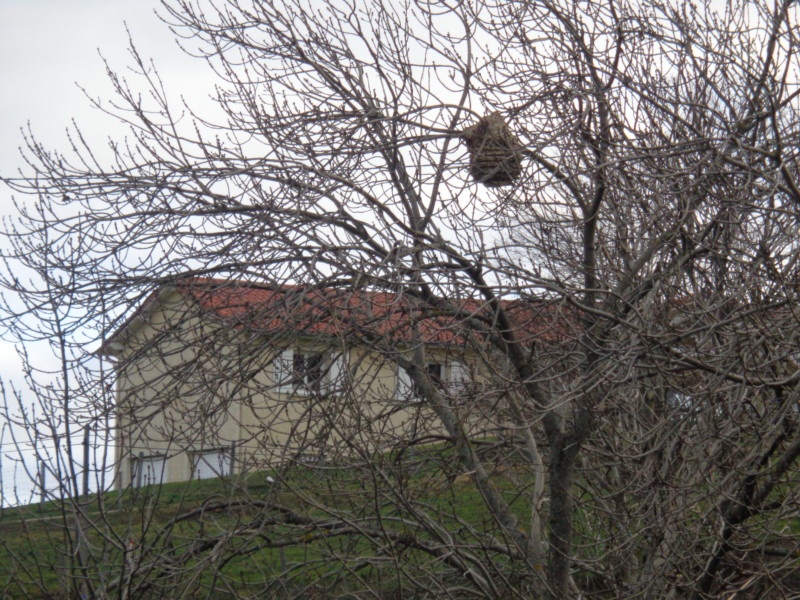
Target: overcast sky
<point x="48" y="48"/>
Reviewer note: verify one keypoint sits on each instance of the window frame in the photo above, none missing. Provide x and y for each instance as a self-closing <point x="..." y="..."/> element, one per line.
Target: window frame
<point x="439" y="372"/>
<point x="327" y="366"/>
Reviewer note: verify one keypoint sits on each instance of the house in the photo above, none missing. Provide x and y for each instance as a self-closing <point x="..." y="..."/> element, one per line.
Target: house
<point x="217" y="377"/>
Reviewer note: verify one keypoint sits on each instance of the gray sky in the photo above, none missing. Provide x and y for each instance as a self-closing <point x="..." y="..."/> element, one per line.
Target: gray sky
<point x="48" y="48"/>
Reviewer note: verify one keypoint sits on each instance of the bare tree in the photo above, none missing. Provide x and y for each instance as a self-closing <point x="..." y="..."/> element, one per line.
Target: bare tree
<point x="597" y="203"/>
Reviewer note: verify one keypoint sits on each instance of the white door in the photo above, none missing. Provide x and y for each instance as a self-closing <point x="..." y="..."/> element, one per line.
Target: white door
<point x="149" y="470"/>
<point x="214" y="463"/>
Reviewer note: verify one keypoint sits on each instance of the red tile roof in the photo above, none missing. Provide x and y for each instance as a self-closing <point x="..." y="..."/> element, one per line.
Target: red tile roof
<point x="355" y="314"/>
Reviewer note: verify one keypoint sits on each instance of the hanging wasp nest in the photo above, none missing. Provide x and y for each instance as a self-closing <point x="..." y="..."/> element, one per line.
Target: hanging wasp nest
<point x="495" y="154"/>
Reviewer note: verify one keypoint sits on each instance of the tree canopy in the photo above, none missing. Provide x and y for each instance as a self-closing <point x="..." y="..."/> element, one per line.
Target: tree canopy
<point x="628" y="171"/>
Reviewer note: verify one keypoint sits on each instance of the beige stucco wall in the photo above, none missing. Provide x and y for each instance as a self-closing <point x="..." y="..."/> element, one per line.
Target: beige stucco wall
<point x="185" y="385"/>
<point x="170" y="402"/>
<point x="279" y="427"/>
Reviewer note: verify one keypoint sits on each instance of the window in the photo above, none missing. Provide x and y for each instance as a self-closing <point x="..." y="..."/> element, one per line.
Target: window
<point x="454" y="379"/>
<point x="148" y="470"/>
<point x="406" y="390"/>
<point x="435" y="371"/>
<point x="307" y="370"/>
<point x="212" y="463"/>
<point x="304" y="372"/>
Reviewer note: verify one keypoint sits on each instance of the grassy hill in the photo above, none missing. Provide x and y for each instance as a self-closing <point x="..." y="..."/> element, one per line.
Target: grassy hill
<point x="226" y="539"/>
<point x="369" y="530"/>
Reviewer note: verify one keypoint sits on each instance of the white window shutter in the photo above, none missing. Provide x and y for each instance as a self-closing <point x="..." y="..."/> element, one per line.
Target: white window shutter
<point x="458" y="378"/>
<point x="404" y="390"/>
<point x="335" y="378"/>
<point x="282" y="371"/>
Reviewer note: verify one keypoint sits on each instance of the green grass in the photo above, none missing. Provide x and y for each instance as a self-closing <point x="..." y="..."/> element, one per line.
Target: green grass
<point x="32" y="538"/>
<point x="33" y="563"/>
